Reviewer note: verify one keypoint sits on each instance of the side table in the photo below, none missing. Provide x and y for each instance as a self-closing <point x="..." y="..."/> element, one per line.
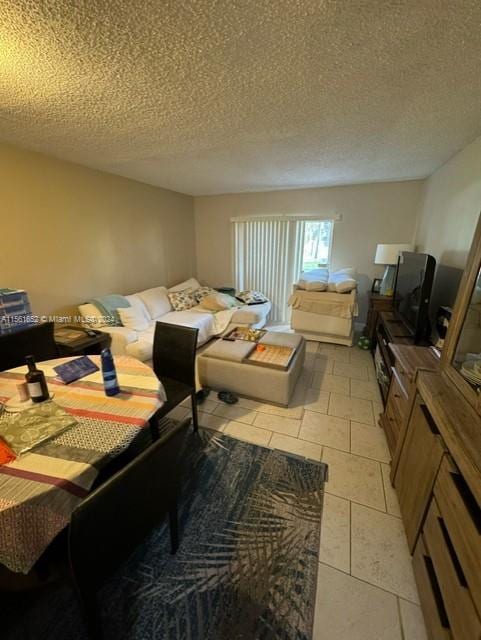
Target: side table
<point x="377" y="304"/>
<point x="75" y="341"/>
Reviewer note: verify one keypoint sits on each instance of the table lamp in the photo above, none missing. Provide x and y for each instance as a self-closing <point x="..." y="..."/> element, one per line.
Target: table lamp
<point x="388" y="254"/>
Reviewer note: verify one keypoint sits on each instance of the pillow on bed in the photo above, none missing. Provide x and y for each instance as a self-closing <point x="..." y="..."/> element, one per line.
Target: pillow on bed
<point x="314" y="280"/>
<point x="342" y="281"/>
<point x="217" y="302"/>
<point x="182" y="300"/>
<point x="251" y="297"/>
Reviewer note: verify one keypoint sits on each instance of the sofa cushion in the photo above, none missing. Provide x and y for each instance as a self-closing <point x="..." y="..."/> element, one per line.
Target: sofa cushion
<point x="93" y="316"/>
<point x="156" y="301"/>
<point x="133" y="318"/>
<point x="191" y="284"/>
<point x="203" y="321"/>
<point x="342" y="281"/>
<point x="182" y="300"/>
<point x="235" y="351"/>
<point x="137" y="302"/>
<point x="253" y="314"/>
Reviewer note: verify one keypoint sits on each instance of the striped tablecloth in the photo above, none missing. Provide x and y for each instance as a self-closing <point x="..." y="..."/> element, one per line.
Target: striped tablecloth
<point x="40" y="489"/>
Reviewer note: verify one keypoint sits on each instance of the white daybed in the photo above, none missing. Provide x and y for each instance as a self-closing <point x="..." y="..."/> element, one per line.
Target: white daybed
<point x="327" y="315"/>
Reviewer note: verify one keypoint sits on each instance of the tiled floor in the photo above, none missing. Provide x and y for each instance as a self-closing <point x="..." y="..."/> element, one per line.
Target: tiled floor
<point x="366" y="588"/>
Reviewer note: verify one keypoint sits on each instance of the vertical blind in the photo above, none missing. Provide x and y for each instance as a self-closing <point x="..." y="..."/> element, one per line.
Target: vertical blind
<point x="268" y="258"/>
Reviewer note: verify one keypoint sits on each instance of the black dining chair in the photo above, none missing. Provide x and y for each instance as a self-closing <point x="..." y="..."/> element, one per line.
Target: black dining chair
<point x="116" y="517"/>
<point x="37" y="341"/>
<point x="174" y="364"/>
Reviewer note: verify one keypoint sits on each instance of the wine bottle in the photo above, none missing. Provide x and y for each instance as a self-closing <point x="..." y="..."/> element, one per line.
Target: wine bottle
<point x="35" y="379"/>
<point x="109" y="373"/>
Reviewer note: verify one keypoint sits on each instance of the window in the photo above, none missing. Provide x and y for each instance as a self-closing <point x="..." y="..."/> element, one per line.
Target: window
<point x="317" y="244"/>
<point x="270" y="252"/>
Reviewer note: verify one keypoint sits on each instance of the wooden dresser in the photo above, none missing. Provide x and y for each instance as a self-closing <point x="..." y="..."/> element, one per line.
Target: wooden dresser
<point x="436" y="468"/>
<point x="407" y="361"/>
<point x="377" y="303"/>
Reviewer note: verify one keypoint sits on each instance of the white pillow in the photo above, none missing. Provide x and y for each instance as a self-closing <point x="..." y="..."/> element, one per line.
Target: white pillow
<point x="342" y="281"/>
<point x="93" y="315"/>
<point x="191" y="284"/>
<point x="156" y="301"/>
<point x="133" y="318"/>
<point x="314" y="280"/>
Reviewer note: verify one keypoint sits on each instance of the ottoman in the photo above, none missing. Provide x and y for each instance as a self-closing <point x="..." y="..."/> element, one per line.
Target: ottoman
<point x="223" y="366"/>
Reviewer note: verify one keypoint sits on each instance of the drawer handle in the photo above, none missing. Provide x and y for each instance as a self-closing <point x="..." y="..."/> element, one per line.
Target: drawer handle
<point x="454" y="556"/>
<point x="438" y="598"/>
<point x="429" y="419"/>
<point x="468" y="499"/>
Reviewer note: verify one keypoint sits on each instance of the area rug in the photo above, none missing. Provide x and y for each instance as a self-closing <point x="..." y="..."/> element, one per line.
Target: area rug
<point x="246" y="567"/>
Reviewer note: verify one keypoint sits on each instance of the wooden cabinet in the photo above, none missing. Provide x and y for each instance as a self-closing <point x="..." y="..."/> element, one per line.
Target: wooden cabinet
<point x="407" y="360"/>
<point x="417" y="469"/>
<point x="377" y="303"/>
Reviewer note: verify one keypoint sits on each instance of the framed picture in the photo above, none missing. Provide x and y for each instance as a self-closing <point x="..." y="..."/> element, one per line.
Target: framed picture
<point x="376" y="285"/>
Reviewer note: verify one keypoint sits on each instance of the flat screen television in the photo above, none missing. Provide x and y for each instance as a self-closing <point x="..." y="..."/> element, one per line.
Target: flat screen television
<point x="412" y="292"/>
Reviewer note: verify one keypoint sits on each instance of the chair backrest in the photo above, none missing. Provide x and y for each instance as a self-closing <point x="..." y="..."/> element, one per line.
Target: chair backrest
<point x="37" y="341"/>
<point x="174" y="352"/>
<point x="114" y="519"/>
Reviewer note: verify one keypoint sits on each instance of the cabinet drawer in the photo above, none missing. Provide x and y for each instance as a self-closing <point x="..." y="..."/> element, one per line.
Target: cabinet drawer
<point x="462" y="518"/>
<point x="434" y="612"/>
<point x="463" y="619"/>
<point x="398" y="397"/>
<point x="391" y="427"/>
<point x="418" y="465"/>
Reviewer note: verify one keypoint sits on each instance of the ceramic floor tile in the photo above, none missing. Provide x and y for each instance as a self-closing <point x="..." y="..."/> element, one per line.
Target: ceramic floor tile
<point x="209" y="421"/>
<point x="360" y="356"/>
<point x="316" y="400"/>
<point x="356" y="409"/>
<point x="324" y="429"/>
<point x="233" y="412"/>
<point x="328" y="382"/>
<point x="365" y="389"/>
<point x="179" y="412"/>
<point x="379" y="552"/>
<point x="323" y="363"/>
<point x="279" y="424"/>
<point x="336" y="533"/>
<point x="286" y="412"/>
<point x="247" y="403"/>
<point x="293" y="445"/>
<point x="392" y="502"/>
<point x="248" y="432"/>
<point x="348" y="609"/>
<point x="351" y="370"/>
<point x="309" y="360"/>
<point x="369" y="442"/>
<point x="412" y="621"/>
<point x="312" y="346"/>
<point x="354" y="478"/>
<point x="208" y="406"/>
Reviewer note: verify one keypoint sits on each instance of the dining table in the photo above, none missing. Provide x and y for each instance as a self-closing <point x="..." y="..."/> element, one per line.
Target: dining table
<point x="40" y="488"/>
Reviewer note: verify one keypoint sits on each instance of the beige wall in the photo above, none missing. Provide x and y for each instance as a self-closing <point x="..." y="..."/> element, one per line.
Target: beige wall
<point x="450" y="208"/>
<point x="371" y="214"/>
<point x="69" y="233"/>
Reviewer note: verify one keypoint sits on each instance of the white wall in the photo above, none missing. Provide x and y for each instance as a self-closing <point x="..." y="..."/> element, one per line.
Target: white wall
<point x="450" y="208"/>
<point x="371" y="214"/>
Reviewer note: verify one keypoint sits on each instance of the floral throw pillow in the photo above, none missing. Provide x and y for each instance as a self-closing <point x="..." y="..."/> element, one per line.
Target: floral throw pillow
<point x="182" y="300"/>
<point x="251" y="297"/>
<point x="202" y="292"/>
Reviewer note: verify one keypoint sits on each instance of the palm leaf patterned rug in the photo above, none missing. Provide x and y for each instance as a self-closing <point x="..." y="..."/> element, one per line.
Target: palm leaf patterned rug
<point x="247" y="563"/>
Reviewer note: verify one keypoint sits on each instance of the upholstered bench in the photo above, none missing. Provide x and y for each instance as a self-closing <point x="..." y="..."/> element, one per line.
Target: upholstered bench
<point x="224" y="366"/>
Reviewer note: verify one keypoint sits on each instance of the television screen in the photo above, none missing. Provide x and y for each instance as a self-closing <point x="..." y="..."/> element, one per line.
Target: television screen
<point x="413" y="288"/>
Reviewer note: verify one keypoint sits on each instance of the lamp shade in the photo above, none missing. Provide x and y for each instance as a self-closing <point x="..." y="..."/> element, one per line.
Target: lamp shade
<point x="389" y="253"/>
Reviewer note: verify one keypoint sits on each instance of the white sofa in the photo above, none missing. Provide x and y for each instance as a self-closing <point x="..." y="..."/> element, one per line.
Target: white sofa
<point x="155" y="304"/>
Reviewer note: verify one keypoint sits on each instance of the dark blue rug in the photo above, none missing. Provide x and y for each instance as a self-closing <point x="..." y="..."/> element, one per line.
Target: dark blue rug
<point x="246" y="567"/>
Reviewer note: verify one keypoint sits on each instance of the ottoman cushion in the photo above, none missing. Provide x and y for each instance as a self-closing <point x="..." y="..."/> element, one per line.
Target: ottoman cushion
<point x="235" y="351"/>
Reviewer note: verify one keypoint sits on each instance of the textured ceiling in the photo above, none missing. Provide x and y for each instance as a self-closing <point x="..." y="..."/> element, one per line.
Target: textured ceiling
<point x="215" y="96"/>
